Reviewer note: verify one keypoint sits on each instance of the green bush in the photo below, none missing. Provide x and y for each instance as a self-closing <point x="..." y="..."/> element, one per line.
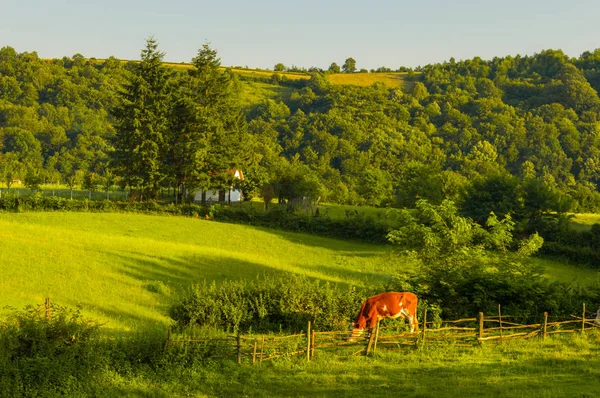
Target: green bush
<point x="46" y="356"/>
<point x="269" y="304"/>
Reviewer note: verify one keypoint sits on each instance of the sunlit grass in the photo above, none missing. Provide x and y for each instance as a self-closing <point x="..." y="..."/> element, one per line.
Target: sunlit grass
<point x="560" y="366"/>
<point x="584" y="221"/>
<point x="254" y="92"/>
<point x="562" y="272"/>
<point x="392" y="80"/>
<point x="110" y="263"/>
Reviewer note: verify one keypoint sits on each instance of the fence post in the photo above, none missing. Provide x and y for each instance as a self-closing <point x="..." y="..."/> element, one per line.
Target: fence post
<point x="583" y="320"/>
<point x="424" y="326"/>
<point x="312" y="344"/>
<point x="254" y="353"/>
<point x="239" y="348"/>
<point x="47" y="306"/>
<point x="308" y="342"/>
<point x="480" y="328"/>
<point x="545" y="325"/>
<point x="500" y="320"/>
<point x="371" y="338"/>
<point x="262" y="347"/>
<point x="376" y="336"/>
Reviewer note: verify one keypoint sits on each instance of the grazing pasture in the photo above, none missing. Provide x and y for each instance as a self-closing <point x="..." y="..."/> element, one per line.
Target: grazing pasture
<point x="126" y="269"/>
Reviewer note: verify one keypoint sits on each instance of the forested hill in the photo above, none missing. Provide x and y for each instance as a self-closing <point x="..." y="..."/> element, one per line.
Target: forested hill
<point x="535" y="118"/>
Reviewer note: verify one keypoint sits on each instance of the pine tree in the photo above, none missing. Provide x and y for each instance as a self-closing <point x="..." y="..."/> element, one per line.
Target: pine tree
<point x="208" y="128"/>
<point x="142" y="121"/>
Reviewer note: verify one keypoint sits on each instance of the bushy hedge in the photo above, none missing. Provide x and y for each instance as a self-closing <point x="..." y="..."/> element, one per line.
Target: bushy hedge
<point x="269" y="304"/>
<point x="355" y="227"/>
<point x="38" y="202"/>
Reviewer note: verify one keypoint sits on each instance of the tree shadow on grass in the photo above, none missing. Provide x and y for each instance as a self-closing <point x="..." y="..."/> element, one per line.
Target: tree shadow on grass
<point x="335" y="244"/>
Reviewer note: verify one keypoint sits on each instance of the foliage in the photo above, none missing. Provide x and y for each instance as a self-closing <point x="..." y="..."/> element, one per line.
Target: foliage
<point x="534" y="118"/>
<point x="269" y="304"/>
<point x="40" y="354"/>
<point x="465" y="268"/>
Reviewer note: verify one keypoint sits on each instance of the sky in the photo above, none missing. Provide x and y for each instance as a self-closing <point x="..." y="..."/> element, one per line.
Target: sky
<point x="262" y="33"/>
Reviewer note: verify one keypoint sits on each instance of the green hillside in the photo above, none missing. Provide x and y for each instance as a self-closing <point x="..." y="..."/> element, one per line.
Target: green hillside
<point x="126" y="269"/>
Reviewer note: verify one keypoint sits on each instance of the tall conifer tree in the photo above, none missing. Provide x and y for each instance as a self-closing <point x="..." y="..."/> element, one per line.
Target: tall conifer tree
<point x="142" y="121"/>
<point x="208" y="129"/>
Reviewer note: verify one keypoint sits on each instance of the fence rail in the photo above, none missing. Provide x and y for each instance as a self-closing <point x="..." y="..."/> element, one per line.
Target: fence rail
<point x="466" y="332"/>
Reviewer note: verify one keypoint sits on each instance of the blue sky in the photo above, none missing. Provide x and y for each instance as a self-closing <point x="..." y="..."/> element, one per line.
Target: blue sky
<point x="261" y="33"/>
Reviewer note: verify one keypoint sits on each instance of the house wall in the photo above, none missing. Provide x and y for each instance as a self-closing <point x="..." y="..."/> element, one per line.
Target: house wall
<point x="213" y="196"/>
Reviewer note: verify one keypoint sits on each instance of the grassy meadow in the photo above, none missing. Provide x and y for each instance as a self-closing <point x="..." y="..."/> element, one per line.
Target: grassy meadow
<point x="393" y="80"/>
<point x="557" y="367"/>
<point x="125" y="269"/>
<point x="584" y="221"/>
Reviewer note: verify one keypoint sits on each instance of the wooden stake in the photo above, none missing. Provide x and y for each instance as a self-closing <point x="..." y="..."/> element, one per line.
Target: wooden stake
<point x="371" y="338"/>
<point x="47" y="305"/>
<point x="480" y="327"/>
<point x="254" y="353"/>
<point x="262" y="346"/>
<point x="312" y="345"/>
<point x="583" y="320"/>
<point x="239" y="349"/>
<point x="500" y="320"/>
<point x="545" y="325"/>
<point x="424" y="326"/>
<point x="308" y="342"/>
<point x="376" y="336"/>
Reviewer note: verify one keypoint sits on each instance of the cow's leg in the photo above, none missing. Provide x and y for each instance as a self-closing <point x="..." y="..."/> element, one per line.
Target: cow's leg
<point x="412" y="320"/>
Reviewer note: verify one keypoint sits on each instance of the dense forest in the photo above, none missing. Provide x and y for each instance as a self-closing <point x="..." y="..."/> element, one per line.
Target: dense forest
<point x="524" y="126"/>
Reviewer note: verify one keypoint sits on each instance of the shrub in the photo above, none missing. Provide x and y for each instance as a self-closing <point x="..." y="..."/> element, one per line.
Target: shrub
<point x="269" y="304"/>
<point x="41" y="355"/>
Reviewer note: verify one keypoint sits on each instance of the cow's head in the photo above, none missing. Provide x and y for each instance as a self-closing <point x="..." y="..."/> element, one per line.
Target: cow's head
<point x="354" y="331"/>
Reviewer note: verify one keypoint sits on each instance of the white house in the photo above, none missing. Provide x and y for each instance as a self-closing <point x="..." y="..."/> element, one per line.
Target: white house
<point x="222" y="196"/>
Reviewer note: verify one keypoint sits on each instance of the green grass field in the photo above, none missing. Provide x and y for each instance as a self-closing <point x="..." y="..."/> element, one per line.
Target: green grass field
<point x="392" y="80"/>
<point x="584" y="221"/>
<point x="561" y="366"/>
<point x="112" y="264"/>
<point x="125" y="270"/>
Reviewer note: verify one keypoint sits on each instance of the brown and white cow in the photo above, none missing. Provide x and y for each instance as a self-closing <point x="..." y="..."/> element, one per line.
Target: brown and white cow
<point x="386" y="305"/>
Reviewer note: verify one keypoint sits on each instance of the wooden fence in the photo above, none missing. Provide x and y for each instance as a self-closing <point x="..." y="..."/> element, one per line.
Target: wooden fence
<point x="465" y="332"/>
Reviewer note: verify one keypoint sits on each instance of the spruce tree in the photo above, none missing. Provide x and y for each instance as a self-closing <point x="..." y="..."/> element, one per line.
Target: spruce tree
<point x="142" y="121"/>
<point x="208" y="129"/>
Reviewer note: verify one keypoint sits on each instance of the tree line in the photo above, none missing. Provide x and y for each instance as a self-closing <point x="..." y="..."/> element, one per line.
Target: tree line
<point x="525" y="127"/>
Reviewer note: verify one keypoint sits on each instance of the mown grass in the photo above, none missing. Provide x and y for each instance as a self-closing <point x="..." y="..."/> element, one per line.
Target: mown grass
<point x="126" y="269"/>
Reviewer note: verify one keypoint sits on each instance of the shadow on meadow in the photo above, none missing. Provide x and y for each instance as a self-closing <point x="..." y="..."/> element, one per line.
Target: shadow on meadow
<point x="359" y="249"/>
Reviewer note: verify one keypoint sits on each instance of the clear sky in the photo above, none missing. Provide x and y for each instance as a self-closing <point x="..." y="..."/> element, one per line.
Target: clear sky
<point x="261" y="33"/>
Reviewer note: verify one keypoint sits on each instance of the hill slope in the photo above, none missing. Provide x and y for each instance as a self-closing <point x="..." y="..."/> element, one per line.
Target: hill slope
<point x="126" y="269"/>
